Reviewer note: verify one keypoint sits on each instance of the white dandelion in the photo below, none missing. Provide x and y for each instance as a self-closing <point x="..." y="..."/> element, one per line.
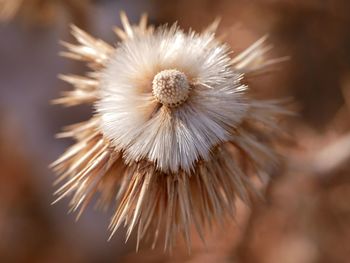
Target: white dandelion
<point x="174" y="134"/>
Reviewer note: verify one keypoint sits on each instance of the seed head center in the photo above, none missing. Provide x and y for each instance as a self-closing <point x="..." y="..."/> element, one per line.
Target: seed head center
<point x="170" y="87"/>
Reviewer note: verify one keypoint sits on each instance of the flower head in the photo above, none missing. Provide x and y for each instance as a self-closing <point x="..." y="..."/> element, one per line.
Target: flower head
<point x="174" y="133"/>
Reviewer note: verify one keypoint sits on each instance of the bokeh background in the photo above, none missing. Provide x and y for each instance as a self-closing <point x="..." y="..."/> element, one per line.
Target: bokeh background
<point x="305" y="216"/>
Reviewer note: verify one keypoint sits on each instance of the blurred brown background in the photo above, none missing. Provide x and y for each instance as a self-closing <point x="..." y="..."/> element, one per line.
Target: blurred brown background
<point x="306" y="215"/>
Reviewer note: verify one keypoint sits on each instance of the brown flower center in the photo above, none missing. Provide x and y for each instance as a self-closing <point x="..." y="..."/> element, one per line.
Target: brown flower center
<point x="170" y="87"/>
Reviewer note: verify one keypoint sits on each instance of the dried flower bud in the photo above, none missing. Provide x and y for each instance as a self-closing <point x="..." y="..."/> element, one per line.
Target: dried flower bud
<point x="174" y="133"/>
